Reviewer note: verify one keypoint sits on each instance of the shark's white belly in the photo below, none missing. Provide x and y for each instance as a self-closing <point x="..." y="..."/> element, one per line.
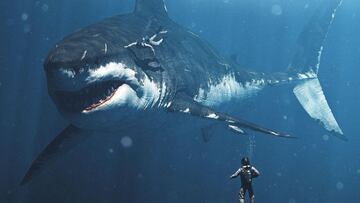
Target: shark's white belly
<point x="226" y="90"/>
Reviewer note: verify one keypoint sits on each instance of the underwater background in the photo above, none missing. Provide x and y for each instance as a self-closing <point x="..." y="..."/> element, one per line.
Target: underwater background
<point x="174" y="164"/>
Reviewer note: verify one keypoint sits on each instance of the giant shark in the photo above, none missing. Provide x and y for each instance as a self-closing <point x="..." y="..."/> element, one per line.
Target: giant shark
<point x="143" y="67"/>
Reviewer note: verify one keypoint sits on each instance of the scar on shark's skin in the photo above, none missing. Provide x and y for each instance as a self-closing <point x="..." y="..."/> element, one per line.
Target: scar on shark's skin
<point x="132" y="85"/>
<point x="148" y="42"/>
<point x="105" y="48"/>
<point x="84" y="55"/>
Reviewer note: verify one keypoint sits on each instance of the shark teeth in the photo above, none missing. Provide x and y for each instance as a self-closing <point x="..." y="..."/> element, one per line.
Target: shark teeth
<point x="88" y="98"/>
<point x="100" y="101"/>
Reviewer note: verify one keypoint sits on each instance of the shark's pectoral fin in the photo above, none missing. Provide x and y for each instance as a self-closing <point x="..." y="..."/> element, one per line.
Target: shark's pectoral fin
<point x="63" y="142"/>
<point x="185" y="104"/>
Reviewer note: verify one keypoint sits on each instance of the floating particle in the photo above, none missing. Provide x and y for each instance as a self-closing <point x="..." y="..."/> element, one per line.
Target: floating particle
<point x="27" y="28"/>
<point x="45" y="7"/>
<point x="24" y="17"/>
<point x="10" y="22"/>
<point x="292" y="200"/>
<point x="286" y="101"/>
<point x="276" y="10"/>
<point x="126" y="142"/>
<point x="111" y="150"/>
<point x="279" y="174"/>
<point x="306" y="6"/>
<point x="339" y="185"/>
<point x="226" y="1"/>
<point x="325" y="137"/>
<point x="285" y="117"/>
<point x="358" y="171"/>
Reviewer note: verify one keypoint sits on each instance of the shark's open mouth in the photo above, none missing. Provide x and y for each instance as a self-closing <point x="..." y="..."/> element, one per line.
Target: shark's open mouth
<point x="88" y="98"/>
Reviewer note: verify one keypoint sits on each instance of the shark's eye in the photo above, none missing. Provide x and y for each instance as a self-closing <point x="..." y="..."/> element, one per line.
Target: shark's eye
<point x="149" y="65"/>
<point x="68" y="71"/>
<point x="154" y="64"/>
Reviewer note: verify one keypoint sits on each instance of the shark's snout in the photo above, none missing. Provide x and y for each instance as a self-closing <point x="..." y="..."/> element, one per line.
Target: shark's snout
<point x="84" y="73"/>
<point x="92" y="87"/>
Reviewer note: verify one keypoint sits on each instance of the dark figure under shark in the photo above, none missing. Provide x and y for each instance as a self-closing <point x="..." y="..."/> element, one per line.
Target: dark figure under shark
<point x="246" y="173"/>
<point x="143" y="67"/>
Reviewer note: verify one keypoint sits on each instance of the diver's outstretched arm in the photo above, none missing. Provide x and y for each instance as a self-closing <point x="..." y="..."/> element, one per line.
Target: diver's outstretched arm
<point x="236" y="174"/>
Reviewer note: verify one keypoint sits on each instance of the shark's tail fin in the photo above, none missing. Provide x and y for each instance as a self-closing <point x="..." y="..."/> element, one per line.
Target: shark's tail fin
<point x="312" y="98"/>
<point x="306" y="63"/>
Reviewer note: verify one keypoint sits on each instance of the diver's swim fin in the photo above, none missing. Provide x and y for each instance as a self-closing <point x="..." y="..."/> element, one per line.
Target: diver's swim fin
<point x="64" y="141"/>
<point x="185" y="104"/>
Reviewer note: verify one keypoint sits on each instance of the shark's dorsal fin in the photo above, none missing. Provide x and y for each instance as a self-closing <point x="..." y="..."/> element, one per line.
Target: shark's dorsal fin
<point x="151" y="7"/>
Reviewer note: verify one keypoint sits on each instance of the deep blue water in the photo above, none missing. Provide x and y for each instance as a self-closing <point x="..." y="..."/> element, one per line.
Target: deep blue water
<point x="174" y="164"/>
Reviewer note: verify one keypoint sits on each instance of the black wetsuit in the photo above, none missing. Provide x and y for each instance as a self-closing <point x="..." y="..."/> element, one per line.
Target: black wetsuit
<point x="246" y="173"/>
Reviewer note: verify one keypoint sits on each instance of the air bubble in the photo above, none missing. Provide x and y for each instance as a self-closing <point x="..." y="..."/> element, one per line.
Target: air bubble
<point x="193" y="24"/>
<point x="292" y="200"/>
<point x="126" y="142"/>
<point x="325" y="137"/>
<point x="24" y="17"/>
<point x="276" y="10"/>
<point x="10" y="22"/>
<point x="45" y="7"/>
<point x="27" y="28"/>
<point x="339" y="185"/>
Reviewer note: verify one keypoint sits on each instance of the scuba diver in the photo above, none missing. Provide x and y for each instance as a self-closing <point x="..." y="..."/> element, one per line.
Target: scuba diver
<point x="246" y="173"/>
